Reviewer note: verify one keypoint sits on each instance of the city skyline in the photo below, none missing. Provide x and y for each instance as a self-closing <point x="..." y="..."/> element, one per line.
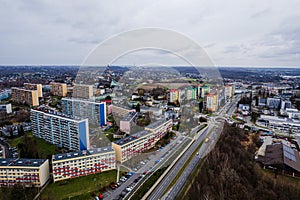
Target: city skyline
<point x="232" y="33"/>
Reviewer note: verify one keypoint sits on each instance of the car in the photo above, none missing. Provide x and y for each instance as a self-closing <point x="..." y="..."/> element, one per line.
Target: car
<point x="112" y="185"/>
<point x="128" y="189"/>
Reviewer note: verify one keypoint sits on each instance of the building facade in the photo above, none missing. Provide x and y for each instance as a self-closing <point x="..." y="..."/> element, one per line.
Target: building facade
<point x="212" y="102"/>
<point x="6" y="108"/>
<point x="82" y="163"/>
<point x="23" y="96"/>
<point x="60" y="129"/>
<point x="94" y="111"/>
<point x="59" y="89"/>
<point x="82" y="91"/>
<point x="129" y="147"/>
<point x="127" y="122"/>
<point x="173" y="95"/>
<point x="26" y="172"/>
<point x="32" y="86"/>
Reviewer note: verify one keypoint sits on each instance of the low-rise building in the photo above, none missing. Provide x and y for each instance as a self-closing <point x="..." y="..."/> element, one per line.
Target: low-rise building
<point x="281" y="157"/>
<point x="26" y="172"/>
<point x="82" y="163"/>
<point x="280" y="124"/>
<point x="6" y="108"/>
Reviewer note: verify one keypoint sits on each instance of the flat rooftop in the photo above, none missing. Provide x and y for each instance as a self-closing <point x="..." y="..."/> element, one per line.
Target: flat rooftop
<point x="76" y="154"/>
<point x="131" y="138"/>
<point x="156" y="124"/>
<point x="50" y="111"/>
<point x="21" y="162"/>
<point x="129" y="116"/>
<point x="81" y="100"/>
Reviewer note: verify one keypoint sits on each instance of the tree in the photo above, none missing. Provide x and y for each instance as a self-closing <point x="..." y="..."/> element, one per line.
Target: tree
<point x="138" y="108"/>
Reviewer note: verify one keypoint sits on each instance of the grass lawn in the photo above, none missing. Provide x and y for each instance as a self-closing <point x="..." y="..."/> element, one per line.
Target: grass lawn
<point x="86" y="187"/>
<point x="44" y="148"/>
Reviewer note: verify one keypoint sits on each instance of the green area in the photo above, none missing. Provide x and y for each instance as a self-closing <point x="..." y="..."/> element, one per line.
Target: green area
<point x="33" y="147"/>
<point x="86" y="187"/>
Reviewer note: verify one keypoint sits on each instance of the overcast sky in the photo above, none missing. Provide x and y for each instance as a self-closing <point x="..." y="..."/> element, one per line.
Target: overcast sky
<point x="233" y="33"/>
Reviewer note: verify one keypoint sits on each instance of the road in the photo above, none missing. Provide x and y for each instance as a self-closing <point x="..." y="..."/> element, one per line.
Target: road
<point x="150" y="165"/>
<point x="205" y="148"/>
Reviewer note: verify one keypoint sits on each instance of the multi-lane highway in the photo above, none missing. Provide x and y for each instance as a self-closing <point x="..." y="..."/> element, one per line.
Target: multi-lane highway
<point x="212" y="131"/>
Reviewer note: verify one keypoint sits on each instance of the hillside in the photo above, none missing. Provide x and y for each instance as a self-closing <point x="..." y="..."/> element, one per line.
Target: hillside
<point x="230" y="172"/>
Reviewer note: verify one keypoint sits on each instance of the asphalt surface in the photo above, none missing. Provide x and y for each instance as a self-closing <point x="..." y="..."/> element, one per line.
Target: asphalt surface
<point x="150" y="165"/>
<point x="205" y="148"/>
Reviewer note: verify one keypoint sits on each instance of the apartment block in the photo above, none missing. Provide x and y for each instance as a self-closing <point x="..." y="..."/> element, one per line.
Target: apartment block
<point x="173" y="95"/>
<point x="229" y="91"/>
<point x="60" y="129"/>
<point x="32" y="86"/>
<point x="94" y="111"/>
<point x="26" y="172"/>
<point x="23" y="96"/>
<point x="203" y="90"/>
<point x="119" y="111"/>
<point x="212" y="102"/>
<point x="82" y="163"/>
<point x="139" y="142"/>
<point x="6" y="108"/>
<point x="59" y="89"/>
<point x="82" y="91"/>
<point x="128" y="121"/>
<point x="191" y="93"/>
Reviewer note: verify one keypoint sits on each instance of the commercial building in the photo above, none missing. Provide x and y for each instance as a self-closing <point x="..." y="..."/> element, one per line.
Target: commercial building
<point x="23" y="96"/>
<point x="60" y="129"/>
<point x="26" y="172"/>
<point x="82" y="163"/>
<point x="58" y="89"/>
<point x="139" y="142"/>
<point x="82" y="91"/>
<point x="32" y="86"/>
<point x="280" y="124"/>
<point x="273" y="103"/>
<point x="127" y="122"/>
<point x="6" y="108"/>
<point x="84" y="108"/>
<point x="211" y="102"/>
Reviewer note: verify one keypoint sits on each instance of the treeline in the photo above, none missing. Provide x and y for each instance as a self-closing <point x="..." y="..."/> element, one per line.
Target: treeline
<point x="230" y="172"/>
